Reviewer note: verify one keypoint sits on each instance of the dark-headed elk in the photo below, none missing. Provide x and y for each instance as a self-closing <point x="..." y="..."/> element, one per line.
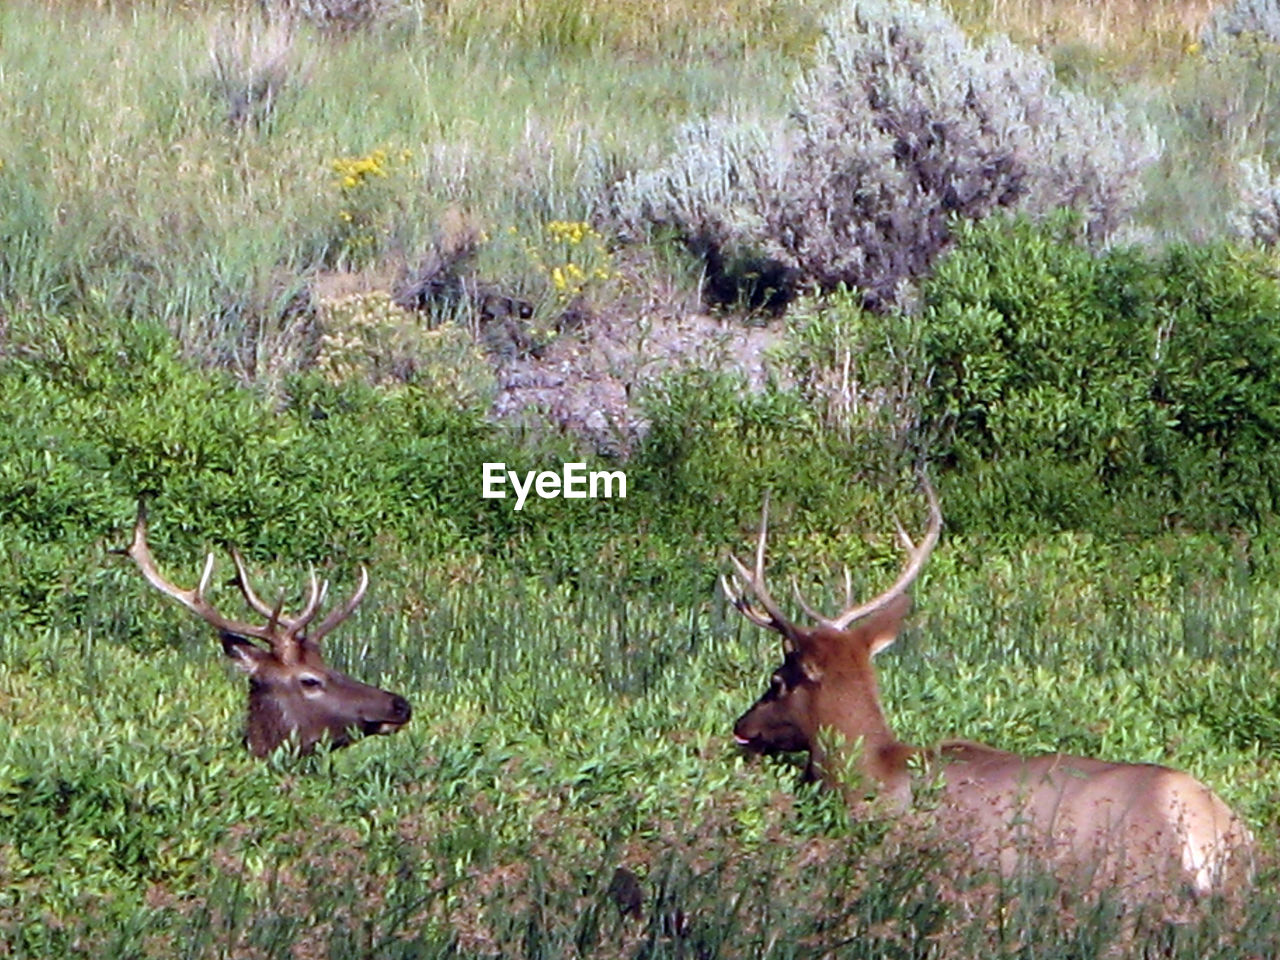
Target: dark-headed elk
<point x="294" y="696"/>
<point x="1136" y="824"/>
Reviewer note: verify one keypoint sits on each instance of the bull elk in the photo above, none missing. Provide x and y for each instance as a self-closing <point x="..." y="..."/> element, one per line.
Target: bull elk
<point x="294" y="697"/>
<point x="1087" y="820"/>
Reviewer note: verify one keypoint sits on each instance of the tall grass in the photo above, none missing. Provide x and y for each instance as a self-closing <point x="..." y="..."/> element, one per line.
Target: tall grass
<point x="165" y="164"/>
<point x="561" y="734"/>
<point x="1212" y="112"/>
<point x="175" y="161"/>
<point x="1137" y="39"/>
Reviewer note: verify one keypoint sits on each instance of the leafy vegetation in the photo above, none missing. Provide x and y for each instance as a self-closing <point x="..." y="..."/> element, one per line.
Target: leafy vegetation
<point x="573" y="676"/>
<point x="1116" y="390"/>
<point x="197" y="253"/>
<point x="544" y="756"/>
<point x="901" y="126"/>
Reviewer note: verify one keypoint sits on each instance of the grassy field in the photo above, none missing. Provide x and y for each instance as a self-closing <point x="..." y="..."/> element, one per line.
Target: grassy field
<point x="559" y="735"/>
<point x="186" y="164"/>
<point x="185" y="190"/>
<point x="572" y="718"/>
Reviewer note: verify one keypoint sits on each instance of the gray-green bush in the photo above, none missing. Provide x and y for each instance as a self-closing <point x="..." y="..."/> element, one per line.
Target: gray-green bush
<point x="901" y="127"/>
<point x="1241" y="24"/>
<point x="1256" y="218"/>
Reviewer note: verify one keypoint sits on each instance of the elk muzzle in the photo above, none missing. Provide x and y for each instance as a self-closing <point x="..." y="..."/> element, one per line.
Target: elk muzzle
<point x="398" y="714"/>
<point x="764" y="729"/>
<point x="344" y="706"/>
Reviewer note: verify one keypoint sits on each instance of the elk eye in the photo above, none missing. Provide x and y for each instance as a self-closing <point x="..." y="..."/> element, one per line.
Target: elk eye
<point x="777" y="686"/>
<point x="311" y="683"/>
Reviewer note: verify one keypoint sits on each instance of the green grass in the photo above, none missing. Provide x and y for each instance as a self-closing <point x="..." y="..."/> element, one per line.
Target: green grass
<point x="560" y="733"/>
<point x="129" y="186"/>
<point x="574" y="675"/>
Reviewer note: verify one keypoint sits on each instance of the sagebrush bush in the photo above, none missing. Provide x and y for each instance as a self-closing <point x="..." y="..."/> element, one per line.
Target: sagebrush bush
<point x="1256" y="218"/>
<point x="338" y="15"/>
<point x="902" y="125"/>
<point x="1242" y="24"/>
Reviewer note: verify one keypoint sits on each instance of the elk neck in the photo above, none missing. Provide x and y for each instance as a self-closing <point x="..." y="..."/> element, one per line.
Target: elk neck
<point x="847" y="703"/>
<point x="266" y="726"/>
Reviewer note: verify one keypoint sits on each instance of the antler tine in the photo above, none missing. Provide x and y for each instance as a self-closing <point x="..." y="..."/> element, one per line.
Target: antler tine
<point x="251" y="598"/>
<point x="918" y="556"/>
<point x="292" y="625"/>
<point x="772" y="617"/>
<point x="274" y="613"/>
<point x="193" y="600"/>
<point x="338" y="614"/>
<point x="903" y="536"/>
<point x="204" y="577"/>
<point x="738" y="598"/>
<point x="804" y="604"/>
<point x="315" y="596"/>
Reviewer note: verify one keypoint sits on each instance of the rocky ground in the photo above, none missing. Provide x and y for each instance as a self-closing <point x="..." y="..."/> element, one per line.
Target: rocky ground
<point x="588" y="381"/>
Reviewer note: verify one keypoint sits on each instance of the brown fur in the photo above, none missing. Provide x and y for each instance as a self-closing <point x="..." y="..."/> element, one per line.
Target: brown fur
<point x="308" y="703"/>
<point x="294" y="697"/>
<point x="1092" y="820"/>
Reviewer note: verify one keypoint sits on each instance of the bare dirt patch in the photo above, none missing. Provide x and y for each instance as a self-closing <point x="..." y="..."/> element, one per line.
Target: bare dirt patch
<point x="590" y="381"/>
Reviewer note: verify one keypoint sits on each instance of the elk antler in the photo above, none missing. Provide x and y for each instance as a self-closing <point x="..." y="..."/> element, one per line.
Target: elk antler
<point x="338" y="614"/>
<point x="194" y="599"/>
<point x="281" y="632"/>
<point x="771" y="617"/>
<point x="293" y="626"/>
<point x="917" y="557"/>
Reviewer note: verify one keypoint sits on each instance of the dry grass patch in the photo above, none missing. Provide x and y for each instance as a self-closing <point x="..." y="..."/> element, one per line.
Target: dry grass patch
<point x="1133" y="36"/>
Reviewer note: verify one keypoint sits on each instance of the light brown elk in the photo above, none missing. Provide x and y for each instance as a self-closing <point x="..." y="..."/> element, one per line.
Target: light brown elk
<point x="294" y="697"/>
<point x="1142" y="826"/>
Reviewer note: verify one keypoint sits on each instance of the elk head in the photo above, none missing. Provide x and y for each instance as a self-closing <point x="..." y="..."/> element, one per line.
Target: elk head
<point x="826" y="679"/>
<point x="294" y="697"/>
<point x="1088" y="819"/>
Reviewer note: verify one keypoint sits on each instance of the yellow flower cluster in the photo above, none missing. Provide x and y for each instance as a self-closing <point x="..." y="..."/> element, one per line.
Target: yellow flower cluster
<point x="569" y="275"/>
<point x="572" y="279"/>
<point x="572" y="232"/>
<point x="366" y="191"/>
<point x="354" y="171"/>
<point x="583" y="255"/>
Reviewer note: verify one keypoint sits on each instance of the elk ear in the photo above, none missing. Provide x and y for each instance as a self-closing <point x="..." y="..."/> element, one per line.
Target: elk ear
<point x="811" y="670"/>
<point x="246" y="656"/>
<point x="883" y="627"/>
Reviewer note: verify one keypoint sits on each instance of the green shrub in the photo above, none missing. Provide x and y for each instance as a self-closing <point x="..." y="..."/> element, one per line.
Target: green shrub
<point x="1117" y="391"/>
<point x="345" y="472"/>
<point x="111" y="412"/>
